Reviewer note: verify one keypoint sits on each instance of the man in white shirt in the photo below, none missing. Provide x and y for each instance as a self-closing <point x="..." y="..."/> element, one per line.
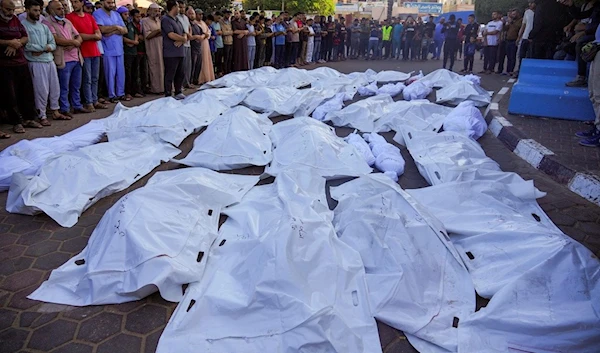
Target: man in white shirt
<point x="526" y="27"/>
<point x="187" y="48"/>
<point x="491" y="34"/>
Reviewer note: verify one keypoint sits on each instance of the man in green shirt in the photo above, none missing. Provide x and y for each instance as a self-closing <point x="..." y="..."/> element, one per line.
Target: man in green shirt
<point x="387" y="38"/>
<point x="130" y="44"/>
<point x="365" y="31"/>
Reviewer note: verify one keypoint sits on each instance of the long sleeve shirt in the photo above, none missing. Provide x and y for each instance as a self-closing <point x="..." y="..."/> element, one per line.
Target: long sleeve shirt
<point x="450" y="29"/>
<point x="39" y="37"/>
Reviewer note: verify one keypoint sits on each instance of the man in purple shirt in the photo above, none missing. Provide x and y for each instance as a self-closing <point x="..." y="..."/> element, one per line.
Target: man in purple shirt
<point x="112" y="28"/>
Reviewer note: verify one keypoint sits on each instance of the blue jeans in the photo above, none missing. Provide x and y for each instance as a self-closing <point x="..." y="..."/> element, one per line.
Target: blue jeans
<point x="396" y="48"/>
<point x="373" y="45"/>
<point x="91" y="74"/>
<point x="511" y="55"/>
<point x="316" y="56"/>
<point x="438" y="48"/>
<point x="70" y="81"/>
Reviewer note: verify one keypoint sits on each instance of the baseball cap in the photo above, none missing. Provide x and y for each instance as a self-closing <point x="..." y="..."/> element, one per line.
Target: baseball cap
<point x="122" y="9"/>
<point x="88" y="4"/>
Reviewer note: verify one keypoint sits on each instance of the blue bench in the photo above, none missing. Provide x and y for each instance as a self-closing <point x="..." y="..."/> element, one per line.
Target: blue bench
<point x="541" y="91"/>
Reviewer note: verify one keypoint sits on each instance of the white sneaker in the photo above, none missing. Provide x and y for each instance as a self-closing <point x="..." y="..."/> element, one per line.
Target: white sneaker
<point x="180" y="96"/>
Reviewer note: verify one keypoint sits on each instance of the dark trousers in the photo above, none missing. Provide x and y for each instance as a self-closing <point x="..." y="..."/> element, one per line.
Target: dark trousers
<point x="469" y="59"/>
<point x="130" y="76"/>
<point x="501" y="55"/>
<point x="227" y="58"/>
<point x="581" y="64"/>
<point x="542" y="49"/>
<point x="288" y="54"/>
<point x="511" y="55"/>
<point x="407" y="48"/>
<point x="279" y="56"/>
<point x="525" y="51"/>
<point x="489" y="57"/>
<point x="415" y="51"/>
<point x="363" y="46"/>
<point x="294" y="48"/>
<point x="196" y="67"/>
<point x="387" y="48"/>
<point x="329" y="48"/>
<point x="102" y="87"/>
<point x="269" y="52"/>
<point x="219" y="54"/>
<point x="174" y="75"/>
<point x="141" y="66"/>
<point x="16" y="94"/>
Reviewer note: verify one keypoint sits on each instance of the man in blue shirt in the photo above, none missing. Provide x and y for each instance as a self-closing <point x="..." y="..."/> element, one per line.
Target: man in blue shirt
<point x="112" y="29"/>
<point x="397" y="39"/>
<point x="279" y="32"/>
<point x="438" y="38"/>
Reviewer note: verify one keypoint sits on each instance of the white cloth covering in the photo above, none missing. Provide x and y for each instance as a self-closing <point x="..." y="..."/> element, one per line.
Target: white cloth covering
<point x="361" y="145"/>
<point x="285" y="100"/>
<point x="387" y="156"/>
<point x="441" y="78"/>
<point x="361" y="115"/>
<point x="461" y="91"/>
<point x="466" y="119"/>
<point x="230" y="96"/>
<point x="156" y="237"/>
<point x="413" y="292"/>
<point x="69" y="183"/>
<point x="386" y="76"/>
<point x="27" y="156"/>
<point x="446" y="156"/>
<point x="237" y="139"/>
<point x="334" y="104"/>
<point x="278" y="280"/>
<point x="417" y="90"/>
<point x="305" y="143"/>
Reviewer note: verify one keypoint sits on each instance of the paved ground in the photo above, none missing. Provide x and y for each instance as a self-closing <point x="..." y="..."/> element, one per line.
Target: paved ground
<point x="30" y="247"/>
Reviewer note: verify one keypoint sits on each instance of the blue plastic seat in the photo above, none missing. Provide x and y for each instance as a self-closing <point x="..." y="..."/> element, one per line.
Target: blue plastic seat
<point x="541" y="91"/>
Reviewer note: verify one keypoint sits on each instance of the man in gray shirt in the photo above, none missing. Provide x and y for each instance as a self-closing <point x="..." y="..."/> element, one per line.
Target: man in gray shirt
<point x="173" y="50"/>
<point x="187" y="49"/>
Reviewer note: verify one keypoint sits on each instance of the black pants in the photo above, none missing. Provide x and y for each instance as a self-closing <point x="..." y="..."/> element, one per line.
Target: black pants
<point x="511" y="55"/>
<point x="387" y="47"/>
<point x="449" y="52"/>
<point x="130" y="75"/>
<point x="469" y="59"/>
<point x="525" y="51"/>
<point x="219" y="54"/>
<point x="279" y="56"/>
<point x="174" y="75"/>
<point x="329" y="48"/>
<point x="102" y="87"/>
<point x="288" y="54"/>
<point x="295" y="48"/>
<point x="141" y="65"/>
<point x="489" y="58"/>
<point x="408" y="43"/>
<point x="196" y="67"/>
<point x="542" y="49"/>
<point x="16" y="94"/>
<point x="227" y="58"/>
<point x="269" y="52"/>
<point x="501" y="56"/>
<point x="581" y="64"/>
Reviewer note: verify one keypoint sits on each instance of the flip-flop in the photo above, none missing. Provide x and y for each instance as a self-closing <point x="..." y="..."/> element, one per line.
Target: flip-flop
<point x="4" y="135"/>
<point x="33" y="124"/>
<point x="100" y="105"/>
<point x="61" y="117"/>
<point x="102" y="101"/>
<point x="139" y="95"/>
<point x="45" y="122"/>
<point x="19" y="129"/>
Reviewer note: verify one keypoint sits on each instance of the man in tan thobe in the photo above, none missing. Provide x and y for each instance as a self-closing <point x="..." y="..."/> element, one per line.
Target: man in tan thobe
<point x="154" y="49"/>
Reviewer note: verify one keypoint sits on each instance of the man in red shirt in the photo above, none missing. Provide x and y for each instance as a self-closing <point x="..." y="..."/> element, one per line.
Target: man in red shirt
<point x="88" y="29"/>
<point x="16" y="87"/>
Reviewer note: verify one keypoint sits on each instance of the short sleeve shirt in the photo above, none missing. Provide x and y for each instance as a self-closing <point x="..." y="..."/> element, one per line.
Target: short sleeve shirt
<point x="131" y="32"/>
<point x="185" y="22"/>
<point x="113" y="45"/>
<point x="295" y="36"/>
<point x="12" y="29"/>
<point x="492" y="39"/>
<point x="219" y="39"/>
<point x="196" y="47"/>
<point x="85" y="24"/>
<point x="67" y="31"/>
<point x="279" y="40"/>
<point x="170" y="25"/>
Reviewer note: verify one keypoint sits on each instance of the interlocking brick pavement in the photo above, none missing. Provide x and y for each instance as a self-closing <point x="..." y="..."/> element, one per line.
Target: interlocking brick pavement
<point x="30" y="247"/>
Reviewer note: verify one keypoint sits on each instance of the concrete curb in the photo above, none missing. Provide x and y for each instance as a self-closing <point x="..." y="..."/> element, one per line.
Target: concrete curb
<point x="583" y="184"/>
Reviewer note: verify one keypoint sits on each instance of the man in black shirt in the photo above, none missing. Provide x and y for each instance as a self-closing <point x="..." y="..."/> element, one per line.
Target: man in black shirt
<point x="451" y="42"/>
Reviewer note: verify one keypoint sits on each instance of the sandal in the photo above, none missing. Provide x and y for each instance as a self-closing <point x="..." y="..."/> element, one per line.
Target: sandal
<point x="32" y="123"/>
<point x="113" y="100"/>
<point x="127" y="98"/>
<point x="102" y="101"/>
<point x="60" y="116"/>
<point x="4" y="135"/>
<point x="138" y="95"/>
<point x="19" y="129"/>
<point x="45" y="122"/>
<point x="99" y="105"/>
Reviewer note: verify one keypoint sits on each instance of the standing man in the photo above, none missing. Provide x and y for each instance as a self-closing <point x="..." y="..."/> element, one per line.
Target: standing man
<point x="219" y="45"/>
<point x="354" y="39"/>
<point x="227" y="34"/>
<point x="428" y="32"/>
<point x="279" y="34"/>
<point x="187" y="47"/>
<point x="450" y="31"/>
<point x="195" y="40"/>
<point x="130" y="43"/>
<point x="526" y="27"/>
<point x="591" y="138"/>
<point x="86" y="25"/>
<point x="112" y="28"/>
<point x="16" y="90"/>
<point x="154" y="49"/>
<point x="471" y="31"/>
<point x="140" y="65"/>
<point x="387" y="39"/>
<point x="491" y="34"/>
<point x="512" y="34"/>
<point x="294" y="40"/>
<point x="397" y="38"/>
<point x="317" y="40"/>
<point x="365" y="32"/>
<point x="67" y="58"/>
<point x="439" y="38"/>
<point x="174" y="37"/>
<point x="38" y="52"/>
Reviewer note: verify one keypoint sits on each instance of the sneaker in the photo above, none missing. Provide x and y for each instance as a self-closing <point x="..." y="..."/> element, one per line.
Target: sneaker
<point x="180" y="96"/>
<point x="586" y="134"/>
<point x="592" y="141"/>
<point x="578" y="82"/>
